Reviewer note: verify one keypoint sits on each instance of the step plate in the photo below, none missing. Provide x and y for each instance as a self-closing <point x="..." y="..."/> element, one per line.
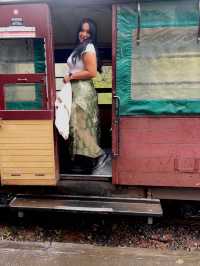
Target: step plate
<point x="140" y="207"/>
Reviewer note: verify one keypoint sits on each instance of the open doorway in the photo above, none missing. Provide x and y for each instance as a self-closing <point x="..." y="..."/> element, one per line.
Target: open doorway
<point x="65" y="23"/>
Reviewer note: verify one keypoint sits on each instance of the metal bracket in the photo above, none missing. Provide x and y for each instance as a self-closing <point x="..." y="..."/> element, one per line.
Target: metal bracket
<point x="150" y="220"/>
<point x="198" y="34"/>
<point x="139" y="23"/>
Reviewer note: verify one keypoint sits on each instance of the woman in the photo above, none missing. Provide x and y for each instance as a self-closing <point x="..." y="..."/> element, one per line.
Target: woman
<point x="82" y="65"/>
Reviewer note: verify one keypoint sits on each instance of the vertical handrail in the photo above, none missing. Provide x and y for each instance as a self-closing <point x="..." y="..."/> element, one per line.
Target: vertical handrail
<point x="117" y="125"/>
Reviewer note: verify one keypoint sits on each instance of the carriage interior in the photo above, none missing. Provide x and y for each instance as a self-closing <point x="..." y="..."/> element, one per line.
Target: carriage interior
<point x="65" y="25"/>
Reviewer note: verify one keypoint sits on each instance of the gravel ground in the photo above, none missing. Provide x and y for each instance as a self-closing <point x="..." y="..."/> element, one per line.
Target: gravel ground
<point x="165" y="233"/>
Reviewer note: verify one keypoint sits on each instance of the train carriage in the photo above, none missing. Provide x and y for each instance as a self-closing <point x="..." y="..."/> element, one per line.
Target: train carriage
<point x="149" y="103"/>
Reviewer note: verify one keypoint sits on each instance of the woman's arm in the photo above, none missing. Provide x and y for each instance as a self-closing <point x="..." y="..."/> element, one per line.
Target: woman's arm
<point x="90" y="68"/>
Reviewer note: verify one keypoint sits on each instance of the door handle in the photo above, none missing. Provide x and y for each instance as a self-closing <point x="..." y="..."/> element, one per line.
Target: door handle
<point x="116" y="152"/>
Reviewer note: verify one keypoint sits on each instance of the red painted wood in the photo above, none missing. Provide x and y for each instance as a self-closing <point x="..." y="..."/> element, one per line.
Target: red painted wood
<point x="26" y="115"/>
<point x="114" y="129"/>
<point x="1" y="97"/>
<point x="38" y="16"/>
<point x="25" y="79"/>
<point x="22" y="78"/>
<point x="159" y="151"/>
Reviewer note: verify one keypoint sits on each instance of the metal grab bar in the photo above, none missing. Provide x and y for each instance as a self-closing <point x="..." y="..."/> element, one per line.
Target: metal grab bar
<point x="116" y="153"/>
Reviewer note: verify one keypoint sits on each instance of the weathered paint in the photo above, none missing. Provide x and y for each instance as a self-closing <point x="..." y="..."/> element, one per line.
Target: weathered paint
<point x="159" y="151"/>
<point x="38" y="16"/>
<point x="27" y="152"/>
<point x="17" y="170"/>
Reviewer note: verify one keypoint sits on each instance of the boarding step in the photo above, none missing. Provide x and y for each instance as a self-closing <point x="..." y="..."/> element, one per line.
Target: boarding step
<point x="105" y="178"/>
<point x="89" y="204"/>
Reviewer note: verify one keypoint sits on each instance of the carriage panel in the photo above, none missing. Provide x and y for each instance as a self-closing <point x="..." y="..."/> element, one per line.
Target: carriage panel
<point x="157" y="82"/>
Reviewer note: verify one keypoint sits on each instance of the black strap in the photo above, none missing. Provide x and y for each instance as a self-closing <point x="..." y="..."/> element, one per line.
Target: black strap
<point x="139" y="22"/>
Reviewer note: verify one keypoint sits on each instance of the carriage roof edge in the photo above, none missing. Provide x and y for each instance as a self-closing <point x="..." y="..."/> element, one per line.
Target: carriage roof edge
<point x="70" y="2"/>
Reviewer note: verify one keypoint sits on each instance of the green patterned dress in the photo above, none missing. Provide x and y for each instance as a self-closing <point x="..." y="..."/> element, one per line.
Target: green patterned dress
<point x="84" y="120"/>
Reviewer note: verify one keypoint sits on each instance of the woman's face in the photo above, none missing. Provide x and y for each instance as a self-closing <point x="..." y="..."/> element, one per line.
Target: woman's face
<point x="85" y="32"/>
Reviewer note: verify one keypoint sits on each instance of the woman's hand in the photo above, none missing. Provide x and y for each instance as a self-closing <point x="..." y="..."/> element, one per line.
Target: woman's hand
<point x="66" y="78"/>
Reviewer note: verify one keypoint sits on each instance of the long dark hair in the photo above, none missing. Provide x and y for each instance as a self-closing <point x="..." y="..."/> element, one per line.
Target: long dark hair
<point x="92" y="39"/>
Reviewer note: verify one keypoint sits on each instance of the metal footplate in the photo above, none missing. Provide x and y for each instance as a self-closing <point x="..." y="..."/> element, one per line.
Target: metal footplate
<point x="88" y="204"/>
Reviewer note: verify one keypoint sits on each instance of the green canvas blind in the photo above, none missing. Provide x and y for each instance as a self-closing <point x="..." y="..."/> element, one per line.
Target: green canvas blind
<point x="161" y="75"/>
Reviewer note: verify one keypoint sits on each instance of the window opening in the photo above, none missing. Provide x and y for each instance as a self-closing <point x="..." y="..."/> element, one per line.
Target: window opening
<point x="24" y="57"/>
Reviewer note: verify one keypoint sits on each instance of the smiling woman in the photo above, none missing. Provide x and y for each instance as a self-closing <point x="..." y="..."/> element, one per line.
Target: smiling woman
<point x="82" y="63"/>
